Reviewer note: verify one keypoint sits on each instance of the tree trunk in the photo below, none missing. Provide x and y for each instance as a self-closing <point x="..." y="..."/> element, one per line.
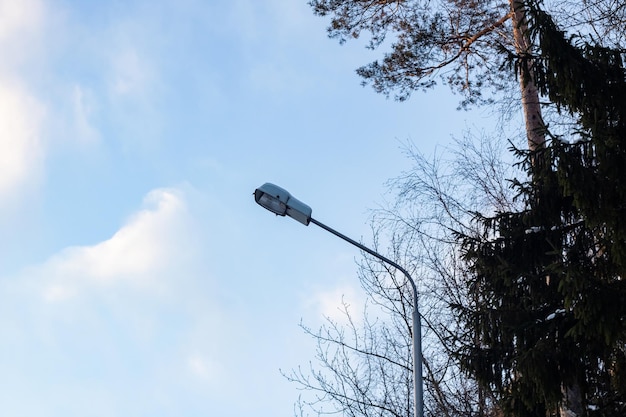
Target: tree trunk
<point x="535" y="133"/>
<point x="530" y="95"/>
<point x="572" y="402"/>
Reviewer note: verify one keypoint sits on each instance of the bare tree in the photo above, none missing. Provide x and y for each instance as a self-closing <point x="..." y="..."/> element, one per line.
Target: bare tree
<point x="363" y="365"/>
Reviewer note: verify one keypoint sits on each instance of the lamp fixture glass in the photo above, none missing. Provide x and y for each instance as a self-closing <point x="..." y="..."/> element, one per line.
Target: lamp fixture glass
<point x="280" y="202"/>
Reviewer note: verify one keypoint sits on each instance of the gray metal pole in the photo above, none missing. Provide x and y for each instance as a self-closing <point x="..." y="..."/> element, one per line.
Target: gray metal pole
<point x="418" y="382"/>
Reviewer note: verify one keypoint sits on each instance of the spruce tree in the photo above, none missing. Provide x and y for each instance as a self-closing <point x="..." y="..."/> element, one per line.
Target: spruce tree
<point x="548" y="281"/>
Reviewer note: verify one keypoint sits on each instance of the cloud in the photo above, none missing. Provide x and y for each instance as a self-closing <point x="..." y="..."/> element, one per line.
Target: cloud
<point x="135" y="50"/>
<point x="21" y="147"/>
<point x="83" y="103"/>
<point x="130" y="72"/>
<point x="201" y="366"/>
<point x="21" y="25"/>
<point x="139" y="255"/>
<point x="333" y="302"/>
<point x="137" y="306"/>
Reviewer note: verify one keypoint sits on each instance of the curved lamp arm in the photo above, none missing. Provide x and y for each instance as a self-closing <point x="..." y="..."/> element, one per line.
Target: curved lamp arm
<point x="280" y="202"/>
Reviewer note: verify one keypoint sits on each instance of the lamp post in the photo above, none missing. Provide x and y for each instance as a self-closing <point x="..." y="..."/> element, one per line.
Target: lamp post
<point x="280" y="202"/>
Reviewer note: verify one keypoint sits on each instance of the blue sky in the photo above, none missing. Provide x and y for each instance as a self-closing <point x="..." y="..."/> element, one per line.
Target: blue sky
<point x="138" y="276"/>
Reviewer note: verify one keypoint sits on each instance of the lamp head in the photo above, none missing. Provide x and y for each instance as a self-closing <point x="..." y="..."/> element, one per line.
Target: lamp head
<point x="280" y="202"/>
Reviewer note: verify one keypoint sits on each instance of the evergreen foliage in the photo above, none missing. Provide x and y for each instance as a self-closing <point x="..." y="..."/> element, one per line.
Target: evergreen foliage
<point x="548" y="281"/>
<point x="459" y="42"/>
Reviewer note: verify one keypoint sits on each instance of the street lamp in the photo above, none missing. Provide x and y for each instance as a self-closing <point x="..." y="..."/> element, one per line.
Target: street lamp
<point x="280" y="202"/>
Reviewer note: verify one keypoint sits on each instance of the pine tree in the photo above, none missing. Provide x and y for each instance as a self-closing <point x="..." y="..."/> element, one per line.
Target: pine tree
<point x="462" y="43"/>
<point x="550" y="310"/>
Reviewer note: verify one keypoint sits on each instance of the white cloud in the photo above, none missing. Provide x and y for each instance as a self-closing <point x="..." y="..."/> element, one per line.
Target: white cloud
<point x="131" y="73"/>
<point x="138" y="306"/>
<point x="83" y="104"/>
<point x="139" y="254"/>
<point x="21" y="113"/>
<point x="21" y="23"/>
<point x="332" y="302"/>
<point x="134" y="44"/>
<point x="201" y="366"/>
<point x="133" y="84"/>
<point x="21" y="147"/>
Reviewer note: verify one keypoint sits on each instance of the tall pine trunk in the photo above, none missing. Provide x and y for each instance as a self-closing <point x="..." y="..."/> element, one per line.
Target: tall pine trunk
<point x="530" y="95"/>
